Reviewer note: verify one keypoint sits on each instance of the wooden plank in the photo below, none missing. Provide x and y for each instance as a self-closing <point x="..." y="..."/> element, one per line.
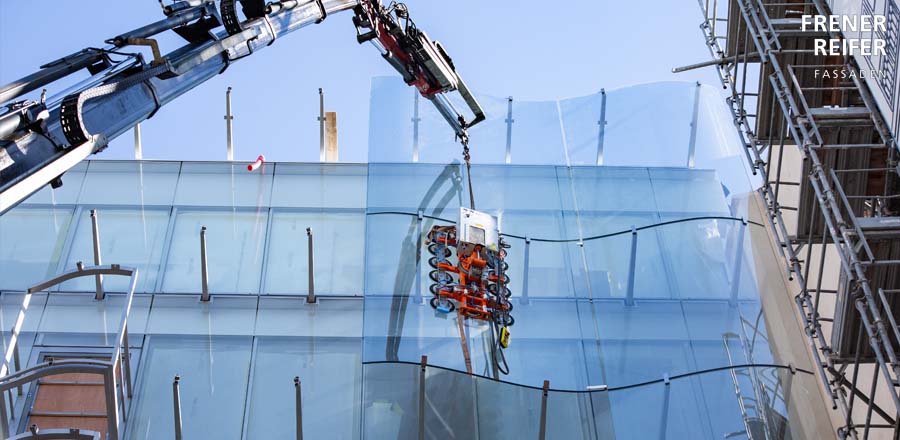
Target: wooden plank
<point x="331" y="137"/>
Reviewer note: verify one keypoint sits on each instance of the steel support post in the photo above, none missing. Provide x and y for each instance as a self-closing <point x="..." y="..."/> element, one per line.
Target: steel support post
<point x="18" y="364"/>
<point x="321" y="120"/>
<point x="664" y="417"/>
<point x="176" y="403"/>
<point x="545" y="394"/>
<point x="95" y="230"/>
<point x="601" y="135"/>
<point x="112" y="404"/>
<point x="692" y="146"/>
<point x="629" y="295"/>
<point x="311" y="296"/>
<point x="421" y="418"/>
<point x="127" y="362"/>
<point x="298" y="400"/>
<point x="4" y="418"/>
<point x="509" y="122"/>
<point x="229" y="126"/>
<point x="204" y="271"/>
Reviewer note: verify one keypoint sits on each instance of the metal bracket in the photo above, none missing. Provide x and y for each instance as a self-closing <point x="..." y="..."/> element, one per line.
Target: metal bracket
<point x="176" y="403"/>
<point x="311" y="297"/>
<point x="204" y="271"/>
<point x="322" y="11"/>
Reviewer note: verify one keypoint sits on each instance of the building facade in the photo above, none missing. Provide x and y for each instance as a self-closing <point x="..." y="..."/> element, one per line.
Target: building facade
<point x="639" y="294"/>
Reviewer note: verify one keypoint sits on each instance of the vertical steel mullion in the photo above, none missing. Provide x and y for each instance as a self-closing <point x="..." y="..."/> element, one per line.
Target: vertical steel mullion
<point x="311" y="295"/>
<point x="263" y="278"/>
<point x="692" y="143"/>
<point x="204" y="269"/>
<point x="167" y="249"/>
<point x="321" y="120"/>
<point x="254" y="350"/>
<point x="95" y="235"/>
<point x="545" y="394"/>
<point x="69" y="243"/>
<point x="629" y="295"/>
<point x="509" y="124"/>
<point x="421" y="400"/>
<point x="664" y="419"/>
<point x="298" y="402"/>
<point x="176" y="405"/>
<point x="601" y="136"/>
<point x="229" y="127"/>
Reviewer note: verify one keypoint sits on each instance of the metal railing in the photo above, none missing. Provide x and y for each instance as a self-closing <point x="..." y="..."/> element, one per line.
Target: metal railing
<point x="116" y="371"/>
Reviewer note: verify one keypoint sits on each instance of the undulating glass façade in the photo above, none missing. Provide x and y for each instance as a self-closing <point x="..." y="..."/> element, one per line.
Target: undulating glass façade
<point x="585" y="315"/>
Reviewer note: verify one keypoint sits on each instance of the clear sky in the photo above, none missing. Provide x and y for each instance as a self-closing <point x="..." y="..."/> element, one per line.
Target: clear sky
<point x="528" y="49"/>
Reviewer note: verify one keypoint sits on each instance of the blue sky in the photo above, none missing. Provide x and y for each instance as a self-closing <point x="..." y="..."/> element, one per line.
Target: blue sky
<point x="528" y="49"/>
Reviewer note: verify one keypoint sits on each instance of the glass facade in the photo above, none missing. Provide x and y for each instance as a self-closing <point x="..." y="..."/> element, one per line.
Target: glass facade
<point x="635" y="293"/>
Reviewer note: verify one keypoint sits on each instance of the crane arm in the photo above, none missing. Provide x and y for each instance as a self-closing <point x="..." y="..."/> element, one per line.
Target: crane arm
<point x="40" y="140"/>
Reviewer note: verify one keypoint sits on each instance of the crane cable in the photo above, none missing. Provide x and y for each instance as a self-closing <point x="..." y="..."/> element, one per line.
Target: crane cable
<point x="464" y="140"/>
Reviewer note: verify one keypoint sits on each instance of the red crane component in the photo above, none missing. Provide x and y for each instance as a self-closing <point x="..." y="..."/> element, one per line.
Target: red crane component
<point x="475" y="285"/>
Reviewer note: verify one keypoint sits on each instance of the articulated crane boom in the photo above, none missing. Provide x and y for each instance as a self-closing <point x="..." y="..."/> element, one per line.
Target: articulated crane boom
<point x="40" y="140"/>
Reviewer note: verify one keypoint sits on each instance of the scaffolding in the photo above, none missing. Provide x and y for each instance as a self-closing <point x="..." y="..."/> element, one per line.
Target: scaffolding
<point x="828" y="163"/>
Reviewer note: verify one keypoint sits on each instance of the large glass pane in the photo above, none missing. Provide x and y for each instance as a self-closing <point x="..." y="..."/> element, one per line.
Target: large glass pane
<point x="223" y="184"/>
<point x="537" y="134"/>
<point x="187" y="315"/>
<point x="403" y="329"/>
<point x="700" y="260"/>
<point x="292" y="316"/>
<point x="140" y="183"/>
<point x="330" y="373"/>
<point x="68" y="193"/>
<point x="582" y="118"/>
<point x="390" y="401"/>
<point x="214" y="372"/>
<point x="435" y="189"/>
<point x="338" y="253"/>
<point x="235" y="243"/>
<point x="31" y="244"/>
<point x="607" y="193"/>
<point x="649" y="125"/>
<point x="391" y="247"/>
<point x="81" y="313"/>
<point x="609" y="261"/>
<point x="319" y="185"/>
<point x="690" y="192"/>
<point x="130" y="237"/>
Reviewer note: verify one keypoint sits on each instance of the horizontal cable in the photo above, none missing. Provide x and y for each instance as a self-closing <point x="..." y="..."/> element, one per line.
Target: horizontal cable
<point x="595" y="237"/>
<point x="617" y="388"/>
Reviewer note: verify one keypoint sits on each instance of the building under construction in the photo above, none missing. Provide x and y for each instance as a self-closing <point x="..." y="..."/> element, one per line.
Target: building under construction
<point x="655" y="261"/>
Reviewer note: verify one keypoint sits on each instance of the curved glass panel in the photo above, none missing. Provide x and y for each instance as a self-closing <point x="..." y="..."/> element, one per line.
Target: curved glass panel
<point x="752" y="401"/>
